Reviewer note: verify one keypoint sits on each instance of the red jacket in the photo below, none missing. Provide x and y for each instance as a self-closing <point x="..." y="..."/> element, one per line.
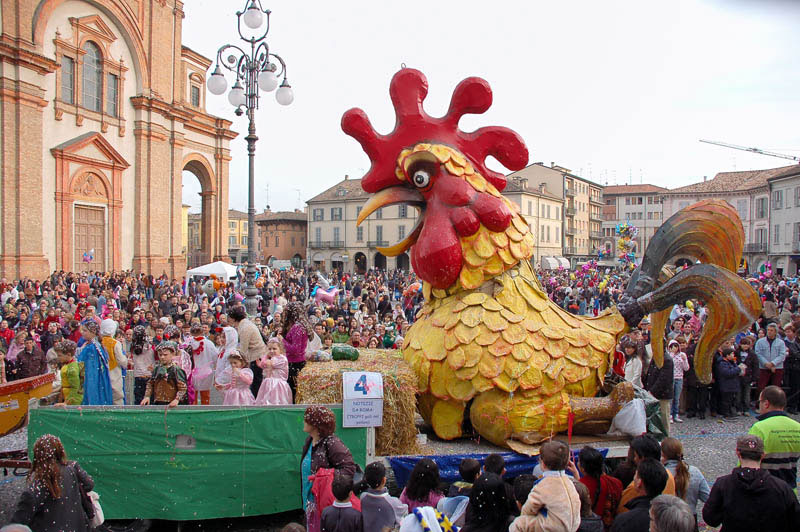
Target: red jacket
<point x="321" y="483"/>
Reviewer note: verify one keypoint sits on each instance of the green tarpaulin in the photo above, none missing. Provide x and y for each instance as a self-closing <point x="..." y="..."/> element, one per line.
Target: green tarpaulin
<point x="189" y="462"/>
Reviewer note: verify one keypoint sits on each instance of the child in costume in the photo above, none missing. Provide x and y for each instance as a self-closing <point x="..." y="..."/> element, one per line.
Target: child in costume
<point x="274" y="388"/>
<point x="143" y="362"/>
<point x="167" y="384"/>
<point x="239" y="378"/>
<point x="204" y="356"/>
<point x="71" y="373"/>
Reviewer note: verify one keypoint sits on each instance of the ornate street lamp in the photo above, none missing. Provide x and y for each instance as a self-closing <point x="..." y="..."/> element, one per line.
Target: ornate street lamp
<point x="257" y="69"/>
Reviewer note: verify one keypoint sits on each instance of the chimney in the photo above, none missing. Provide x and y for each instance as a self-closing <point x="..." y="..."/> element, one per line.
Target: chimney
<point x="297" y="210"/>
<point x="524" y="182"/>
<point x="552" y="164"/>
<point x="542" y="187"/>
<point x="346" y="177"/>
<point x="704" y="178"/>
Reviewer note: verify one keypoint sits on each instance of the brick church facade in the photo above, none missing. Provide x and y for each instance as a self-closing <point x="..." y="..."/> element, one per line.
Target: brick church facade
<point x="102" y="111"/>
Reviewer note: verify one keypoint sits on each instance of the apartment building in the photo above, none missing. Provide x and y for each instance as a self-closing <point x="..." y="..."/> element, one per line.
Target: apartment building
<point x="282" y="236"/>
<point x="748" y="192"/>
<point x="195" y="256"/>
<point x="237" y="236"/>
<point x="582" y="217"/>
<point x="784" y="221"/>
<point x="334" y="241"/>
<point x="639" y="205"/>
<point x="543" y="211"/>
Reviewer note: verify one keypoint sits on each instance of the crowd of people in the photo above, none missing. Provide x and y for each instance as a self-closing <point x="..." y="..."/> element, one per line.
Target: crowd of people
<point x="125" y="338"/>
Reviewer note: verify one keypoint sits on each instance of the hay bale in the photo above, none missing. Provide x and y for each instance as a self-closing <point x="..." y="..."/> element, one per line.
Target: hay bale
<point x="321" y="383"/>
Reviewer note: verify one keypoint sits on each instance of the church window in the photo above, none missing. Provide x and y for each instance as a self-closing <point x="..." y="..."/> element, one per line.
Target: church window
<point x="92" y="78"/>
<point x="67" y="79"/>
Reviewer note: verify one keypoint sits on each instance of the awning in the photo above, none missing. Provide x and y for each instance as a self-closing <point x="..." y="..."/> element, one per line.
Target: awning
<point x="564" y="263"/>
<point x="549" y="263"/>
<point x="222" y="270"/>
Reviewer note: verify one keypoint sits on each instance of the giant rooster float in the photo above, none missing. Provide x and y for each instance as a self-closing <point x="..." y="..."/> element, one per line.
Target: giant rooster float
<point x="488" y="343"/>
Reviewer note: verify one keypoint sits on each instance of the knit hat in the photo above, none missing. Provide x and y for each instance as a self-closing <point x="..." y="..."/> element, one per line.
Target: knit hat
<point x="172" y="331"/>
<point x="169" y="344"/>
<point x="91" y="326"/>
<point x="750" y="443"/>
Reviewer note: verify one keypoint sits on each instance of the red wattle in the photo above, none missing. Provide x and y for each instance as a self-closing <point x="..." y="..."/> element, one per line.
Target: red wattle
<point x="494" y="214"/>
<point x="465" y="221"/>
<point x="436" y="256"/>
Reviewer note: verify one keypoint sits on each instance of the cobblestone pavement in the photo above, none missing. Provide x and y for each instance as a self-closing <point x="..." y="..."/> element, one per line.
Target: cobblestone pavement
<point x="708" y="444"/>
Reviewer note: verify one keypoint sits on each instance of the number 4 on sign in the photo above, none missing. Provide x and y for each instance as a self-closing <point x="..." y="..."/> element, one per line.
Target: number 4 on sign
<point x="361" y="385"/>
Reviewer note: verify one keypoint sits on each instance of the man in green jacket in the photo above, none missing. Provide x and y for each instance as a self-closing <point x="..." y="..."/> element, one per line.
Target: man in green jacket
<point x="781" y="435"/>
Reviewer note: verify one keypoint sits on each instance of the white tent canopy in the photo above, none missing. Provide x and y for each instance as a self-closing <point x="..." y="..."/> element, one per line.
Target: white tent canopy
<point x="222" y="270"/>
<point x="553" y="263"/>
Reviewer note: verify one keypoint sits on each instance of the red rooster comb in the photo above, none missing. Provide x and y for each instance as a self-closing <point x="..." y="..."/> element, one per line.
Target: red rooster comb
<point x="408" y="90"/>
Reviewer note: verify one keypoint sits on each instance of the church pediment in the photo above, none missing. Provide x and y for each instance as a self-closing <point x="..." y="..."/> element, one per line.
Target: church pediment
<point x="95" y="26"/>
<point x="90" y="147"/>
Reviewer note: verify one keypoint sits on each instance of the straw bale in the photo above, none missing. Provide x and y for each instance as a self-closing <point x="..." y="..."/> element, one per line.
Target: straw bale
<point x="321" y="383"/>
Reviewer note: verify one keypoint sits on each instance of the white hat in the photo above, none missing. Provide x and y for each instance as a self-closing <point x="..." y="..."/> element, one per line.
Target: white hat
<point x="108" y="327"/>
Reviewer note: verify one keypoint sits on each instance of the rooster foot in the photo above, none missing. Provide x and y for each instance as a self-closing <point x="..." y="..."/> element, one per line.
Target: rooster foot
<point x="601" y="408"/>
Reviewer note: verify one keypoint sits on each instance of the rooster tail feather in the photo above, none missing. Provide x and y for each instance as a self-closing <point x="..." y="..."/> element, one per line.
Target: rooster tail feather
<point x="732" y="305"/>
<point x="709" y="231"/>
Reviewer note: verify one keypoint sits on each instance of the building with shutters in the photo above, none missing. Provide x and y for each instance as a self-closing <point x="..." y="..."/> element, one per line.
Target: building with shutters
<point x="282" y="236"/>
<point x="543" y="211"/>
<point x="334" y="241"/>
<point x="583" y="202"/>
<point x="748" y="192"/>
<point x="638" y="205"/>
<point x="103" y="109"/>
<point x="784" y="221"/>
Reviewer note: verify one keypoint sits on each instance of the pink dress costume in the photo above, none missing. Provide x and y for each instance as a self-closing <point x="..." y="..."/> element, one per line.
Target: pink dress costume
<point x="237" y="392"/>
<point x="274" y="389"/>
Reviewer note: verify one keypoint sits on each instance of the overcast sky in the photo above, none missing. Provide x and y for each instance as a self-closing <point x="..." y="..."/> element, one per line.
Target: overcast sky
<point x="614" y="90"/>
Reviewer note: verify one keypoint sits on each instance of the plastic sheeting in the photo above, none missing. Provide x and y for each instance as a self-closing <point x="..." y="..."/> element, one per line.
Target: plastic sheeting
<point x="188" y="463"/>
<point x="516" y="464"/>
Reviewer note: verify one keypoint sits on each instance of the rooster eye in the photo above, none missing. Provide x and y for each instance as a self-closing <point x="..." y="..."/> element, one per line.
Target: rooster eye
<point x="421" y="178"/>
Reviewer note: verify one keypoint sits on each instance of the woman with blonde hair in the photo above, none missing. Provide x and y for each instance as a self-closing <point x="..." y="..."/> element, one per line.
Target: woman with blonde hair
<point x="690" y="485"/>
<point x="52" y="502"/>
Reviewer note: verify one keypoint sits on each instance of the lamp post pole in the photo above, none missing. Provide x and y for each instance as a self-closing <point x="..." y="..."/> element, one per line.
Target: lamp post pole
<point x="254" y="70"/>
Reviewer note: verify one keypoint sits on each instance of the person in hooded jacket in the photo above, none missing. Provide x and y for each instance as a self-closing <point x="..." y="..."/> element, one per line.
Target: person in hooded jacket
<point x="750" y="499"/>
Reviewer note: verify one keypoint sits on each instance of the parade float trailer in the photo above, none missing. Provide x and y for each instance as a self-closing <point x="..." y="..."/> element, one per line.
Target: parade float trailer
<point x="188" y="463"/>
<point x="209" y="462"/>
<point x="15" y="397"/>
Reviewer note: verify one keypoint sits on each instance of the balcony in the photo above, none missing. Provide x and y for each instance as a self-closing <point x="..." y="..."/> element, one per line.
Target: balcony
<point x="569" y="211"/>
<point x="595" y="201"/>
<point x="757" y="247"/>
<point x="597" y="218"/>
<point x="569" y="191"/>
<point x="377" y="243"/>
<point x="320" y="244"/>
<point x="569" y="231"/>
<point x="595" y="234"/>
<point x="570" y="251"/>
<point x="336" y="244"/>
<point x="796" y="247"/>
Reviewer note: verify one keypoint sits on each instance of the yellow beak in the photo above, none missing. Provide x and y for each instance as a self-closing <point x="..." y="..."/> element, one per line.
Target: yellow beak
<point x="390" y="196"/>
